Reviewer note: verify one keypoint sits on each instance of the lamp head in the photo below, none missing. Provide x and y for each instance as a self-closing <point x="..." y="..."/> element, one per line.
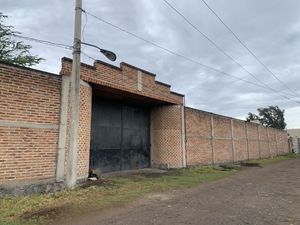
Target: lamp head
<point x="108" y="54"/>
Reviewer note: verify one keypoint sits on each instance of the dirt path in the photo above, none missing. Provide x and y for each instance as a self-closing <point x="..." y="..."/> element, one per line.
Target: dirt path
<point x="269" y="195"/>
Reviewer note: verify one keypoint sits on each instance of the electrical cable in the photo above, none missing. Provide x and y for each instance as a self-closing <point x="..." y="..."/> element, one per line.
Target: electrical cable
<point x="251" y="52"/>
<point x="171" y="52"/>
<point x="180" y="55"/>
<point x="219" y="48"/>
<point x="59" y="45"/>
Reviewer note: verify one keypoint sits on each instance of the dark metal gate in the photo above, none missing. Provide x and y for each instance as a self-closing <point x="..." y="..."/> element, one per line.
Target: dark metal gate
<point x="120" y="138"/>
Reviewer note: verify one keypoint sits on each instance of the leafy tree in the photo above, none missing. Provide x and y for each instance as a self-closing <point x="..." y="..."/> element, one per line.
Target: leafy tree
<point x="14" y="52"/>
<point x="271" y="116"/>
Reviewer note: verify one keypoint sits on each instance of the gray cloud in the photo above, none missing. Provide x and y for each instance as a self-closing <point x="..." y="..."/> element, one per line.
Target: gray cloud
<point x="269" y="28"/>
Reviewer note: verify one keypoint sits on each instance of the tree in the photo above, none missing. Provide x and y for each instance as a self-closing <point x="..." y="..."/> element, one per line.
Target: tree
<point x="14" y="52"/>
<point x="271" y="116"/>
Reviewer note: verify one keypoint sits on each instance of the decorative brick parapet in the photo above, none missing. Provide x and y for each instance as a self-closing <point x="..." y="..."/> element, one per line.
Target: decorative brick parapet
<point x="124" y="78"/>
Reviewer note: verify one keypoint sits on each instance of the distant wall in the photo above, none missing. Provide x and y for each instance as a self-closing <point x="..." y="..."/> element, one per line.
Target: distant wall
<point x="212" y="138"/>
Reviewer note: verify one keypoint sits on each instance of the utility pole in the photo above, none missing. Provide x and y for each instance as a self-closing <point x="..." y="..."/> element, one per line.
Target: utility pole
<point x="71" y="176"/>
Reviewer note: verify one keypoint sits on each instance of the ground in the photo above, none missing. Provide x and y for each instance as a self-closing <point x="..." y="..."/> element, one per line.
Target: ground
<point x="256" y="195"/>
<point x="267" y="193"/>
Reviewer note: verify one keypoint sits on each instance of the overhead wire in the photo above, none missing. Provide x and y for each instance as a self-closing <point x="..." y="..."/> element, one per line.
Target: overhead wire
<point x="85" y="54"/>
<point x="218" y="47"/>
<point x="246" y="47"/>
<point x="59" y="45"/>
<point x="182" y="56"/>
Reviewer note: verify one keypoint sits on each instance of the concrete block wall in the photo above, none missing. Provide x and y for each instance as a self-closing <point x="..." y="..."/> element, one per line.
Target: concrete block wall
<point x="29" y="122"/>
<point x="212" y="138"/>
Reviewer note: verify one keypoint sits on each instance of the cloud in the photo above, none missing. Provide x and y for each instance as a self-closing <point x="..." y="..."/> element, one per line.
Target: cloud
<point x="271" y="31"/>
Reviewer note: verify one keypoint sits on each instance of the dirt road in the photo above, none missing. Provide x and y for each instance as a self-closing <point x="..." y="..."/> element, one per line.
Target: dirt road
<point x="269" y="195"/>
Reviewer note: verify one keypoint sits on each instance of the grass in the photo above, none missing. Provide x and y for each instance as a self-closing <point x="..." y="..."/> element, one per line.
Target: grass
<point x="264" y="162"/>
<point x="44" y="208"/>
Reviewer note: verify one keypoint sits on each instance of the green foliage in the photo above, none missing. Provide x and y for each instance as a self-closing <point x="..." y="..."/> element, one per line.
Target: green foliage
<point x="12" y="51"/>
<point x="271" y="116"/>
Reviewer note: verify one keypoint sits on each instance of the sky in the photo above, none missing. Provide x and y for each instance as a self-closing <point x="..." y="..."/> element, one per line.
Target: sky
<point x="270" y="29"/>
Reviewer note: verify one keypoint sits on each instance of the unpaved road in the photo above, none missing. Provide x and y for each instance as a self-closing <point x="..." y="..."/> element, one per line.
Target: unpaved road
<point x="269" y="195"/>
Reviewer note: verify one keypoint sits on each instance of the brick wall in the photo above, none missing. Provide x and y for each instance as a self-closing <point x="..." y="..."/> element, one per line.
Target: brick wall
<point x="212" y="138"/>
<point x="240" y="140"/>
<point x="29" y="118"/>
<point x="124" y="78"/>
<point x="253" y="142"/>
<point x="166" y="133"/>
<point x="222" y="138"/>
<point x="198" y="136"/>
<point x="85" y="113"/>
<point x="84" y="132"/>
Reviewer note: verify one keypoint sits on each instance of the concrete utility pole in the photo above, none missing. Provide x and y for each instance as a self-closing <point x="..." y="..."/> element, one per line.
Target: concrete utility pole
<point x="71" y="176"/>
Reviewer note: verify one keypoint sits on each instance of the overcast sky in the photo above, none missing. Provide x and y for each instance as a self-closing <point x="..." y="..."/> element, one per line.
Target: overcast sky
<point x="270" y="28"/>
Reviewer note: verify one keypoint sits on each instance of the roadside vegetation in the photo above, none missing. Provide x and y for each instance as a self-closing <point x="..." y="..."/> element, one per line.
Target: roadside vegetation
<point x="116" y="191"/>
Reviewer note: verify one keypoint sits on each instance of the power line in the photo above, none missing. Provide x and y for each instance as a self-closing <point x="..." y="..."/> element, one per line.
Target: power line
<point x="158" y="46"/>
<point x="251" y="52"/>
<point x="59" y="45"/>
<point x="180" y="55"/>
<point x="218" y="47"/>
<point x="170" y="51"/>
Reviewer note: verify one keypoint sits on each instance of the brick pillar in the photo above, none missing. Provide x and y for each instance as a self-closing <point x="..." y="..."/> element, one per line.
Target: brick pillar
<point x="85" y="115"/>
<point x="166" y="137"/>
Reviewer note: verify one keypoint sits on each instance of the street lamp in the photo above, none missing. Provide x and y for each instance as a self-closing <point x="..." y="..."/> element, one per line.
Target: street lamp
<point x="108" y="54"/>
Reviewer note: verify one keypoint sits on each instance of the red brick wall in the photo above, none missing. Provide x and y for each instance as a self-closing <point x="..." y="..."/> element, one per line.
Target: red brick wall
<point x="29" y="114"/>
<point x="85" y="113"/>
<point x="240" y="140"/>
<point x="234" y="140"/>
<point x="29" y="121"/>
<point x="198" y="137"/>
<point x="84" y="132"/>
<point x="223" y="142"/>
<point x="166" y="141"/>
<point x="263" y="142"/>
<point x="253" y="141"/>
<point x="273" y="142"/>
<point x="124" y="78"/>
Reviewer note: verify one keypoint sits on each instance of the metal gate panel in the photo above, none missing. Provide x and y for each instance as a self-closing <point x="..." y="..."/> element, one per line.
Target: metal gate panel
<point x="135" y="138"/>
<point x="120" y="138"/>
